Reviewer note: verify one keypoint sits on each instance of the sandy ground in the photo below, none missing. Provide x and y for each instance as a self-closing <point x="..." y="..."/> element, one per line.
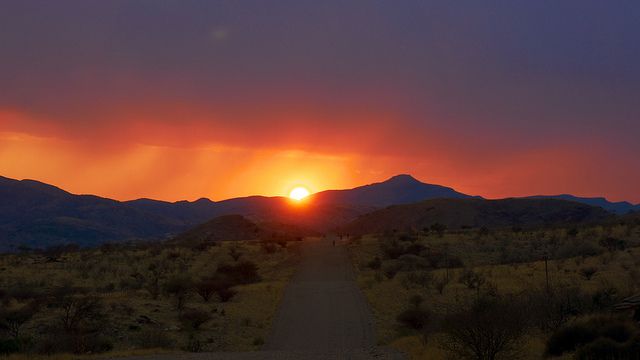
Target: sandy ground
<point x="323" y="314"/>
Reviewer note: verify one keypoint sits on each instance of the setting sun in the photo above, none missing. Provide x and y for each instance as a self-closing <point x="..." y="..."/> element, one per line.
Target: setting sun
<point x="298" y="193"/>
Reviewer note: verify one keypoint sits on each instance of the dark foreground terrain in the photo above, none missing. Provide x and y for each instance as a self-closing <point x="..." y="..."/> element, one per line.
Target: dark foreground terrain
<point x="322" y="315"/>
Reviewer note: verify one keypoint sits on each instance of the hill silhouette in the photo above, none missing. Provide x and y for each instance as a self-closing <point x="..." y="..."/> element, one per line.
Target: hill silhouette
<point x="400" y="189"/>
<point x="474" y="213"/>
<point x="237" y="228"/>
<point x="39" y="215"/>
<point x="620" y="207"/>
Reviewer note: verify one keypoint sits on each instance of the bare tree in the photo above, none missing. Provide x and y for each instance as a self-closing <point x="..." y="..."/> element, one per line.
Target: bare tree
<point x="490" y="329"/>
<point x="206" y="288"/>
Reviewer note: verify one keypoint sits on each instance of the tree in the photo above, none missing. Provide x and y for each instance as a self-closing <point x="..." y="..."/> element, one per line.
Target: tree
<point x="489" y="329"/>
<point x="206" y="288"/>
<point x="179" y="287"/>
<point x="78" y="311"/>
<point x="157" y="271"/>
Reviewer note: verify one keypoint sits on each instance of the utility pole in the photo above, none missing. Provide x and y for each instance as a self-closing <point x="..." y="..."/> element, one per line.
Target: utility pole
<point x="546" y="272"/>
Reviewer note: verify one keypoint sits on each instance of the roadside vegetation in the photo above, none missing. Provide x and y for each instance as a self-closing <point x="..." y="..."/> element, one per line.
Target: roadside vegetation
<point x="145" y="298"/>
<point x="504" y="293"/>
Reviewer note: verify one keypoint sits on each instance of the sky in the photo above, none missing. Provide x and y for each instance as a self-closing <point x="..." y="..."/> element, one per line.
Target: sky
<point x="186" y="99"/>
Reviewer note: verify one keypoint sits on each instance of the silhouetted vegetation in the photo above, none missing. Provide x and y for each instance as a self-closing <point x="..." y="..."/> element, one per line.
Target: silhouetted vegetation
<point x="498" y="293"/>
<point x="70" y="300"/>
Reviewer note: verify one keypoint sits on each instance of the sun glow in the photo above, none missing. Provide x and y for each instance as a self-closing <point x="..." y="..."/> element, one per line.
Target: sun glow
<point x="298" y="193"/>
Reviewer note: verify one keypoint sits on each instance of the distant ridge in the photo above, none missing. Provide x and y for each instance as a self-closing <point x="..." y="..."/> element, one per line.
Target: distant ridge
<point x="620" y="207"/>
<point x="474" y="213"/>
<point x="40" y="215"/>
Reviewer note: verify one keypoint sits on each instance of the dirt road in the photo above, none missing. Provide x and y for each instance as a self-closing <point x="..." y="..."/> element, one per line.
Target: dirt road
<point x="323" y="314"/>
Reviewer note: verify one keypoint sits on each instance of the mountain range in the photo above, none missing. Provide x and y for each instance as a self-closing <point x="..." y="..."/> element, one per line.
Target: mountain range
<point x="38" y="215"/>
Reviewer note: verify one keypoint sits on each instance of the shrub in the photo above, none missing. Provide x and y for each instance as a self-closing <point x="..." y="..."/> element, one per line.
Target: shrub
<point x="193" y="344"/>
<point x="421" y="278"/>
<point x="226" y="294"/>
<point x="577" y="336"/>
<point x="179" y="287"/>
<point x="551" y="310"/>
<point x="194" y="318"/>
<point x="588" y="272"/>
<point x="613" y="244"/>
<point x="414" y="318"/>
<point x="244" y="272"/>
<point x="9" y="346"/>
<point x="206" y="288"/>
<point x="235" y="254"/>
<point x="441" y="283"/>
<point x="375" y="263"/>
<point x="439" y="229"/>
<point x="392" y="249"/>
<point x="390" y="270"/>
<point x="489" y="329"/>
<point x="268" y="247"/>
<point x="569" y="338"/>
<point x="153" y="338"/>
<point x="12" y="320"/>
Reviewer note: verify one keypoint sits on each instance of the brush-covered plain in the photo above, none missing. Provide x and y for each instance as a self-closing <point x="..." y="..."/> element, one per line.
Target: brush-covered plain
<point x="131" y="299"/>
<point x="489" y="294"/>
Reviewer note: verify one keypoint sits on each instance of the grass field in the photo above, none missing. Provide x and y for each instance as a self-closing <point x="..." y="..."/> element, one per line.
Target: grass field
<point x="138" y="310"/>
<point x="389" y="282"/>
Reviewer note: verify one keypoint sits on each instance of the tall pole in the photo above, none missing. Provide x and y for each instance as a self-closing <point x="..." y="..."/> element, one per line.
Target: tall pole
<point x="546" y="272"/>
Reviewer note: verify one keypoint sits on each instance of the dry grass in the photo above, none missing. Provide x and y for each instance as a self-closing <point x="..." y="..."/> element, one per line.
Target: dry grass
<point x="389" y="297"/>
<point x="238" y="325"/>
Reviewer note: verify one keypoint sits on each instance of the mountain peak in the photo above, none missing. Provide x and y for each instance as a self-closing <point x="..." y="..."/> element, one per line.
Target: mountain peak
<point x="403" y="179"/>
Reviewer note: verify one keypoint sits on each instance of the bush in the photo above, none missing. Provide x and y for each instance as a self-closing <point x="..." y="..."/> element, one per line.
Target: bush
<point x="390" y="270"/>
<point x="489" y="329"/>
<point x="226" y="294"/>
<point x="422" y="278"/>
<point x="414" y="318"/>
<point x="613" y="244"/>
<point x="244" y="272"/>
<point x="193" y="344"/>
<point x="179" y="287"/>
<point x="9" y="346"/>
<point x="375" y="263"/>
<point x="569" y="338"/>
<point x="194" y="318"/>
<point x="588" y="272"/>
<point x="392" y="249"/>
<point x="268" y="247"/>
<point x="153" y="339"/>
<point x="206" y="288"/>
<point x="76" y="343"/>
<point x="554" y="309"/>
<point x="577" y="336"/>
